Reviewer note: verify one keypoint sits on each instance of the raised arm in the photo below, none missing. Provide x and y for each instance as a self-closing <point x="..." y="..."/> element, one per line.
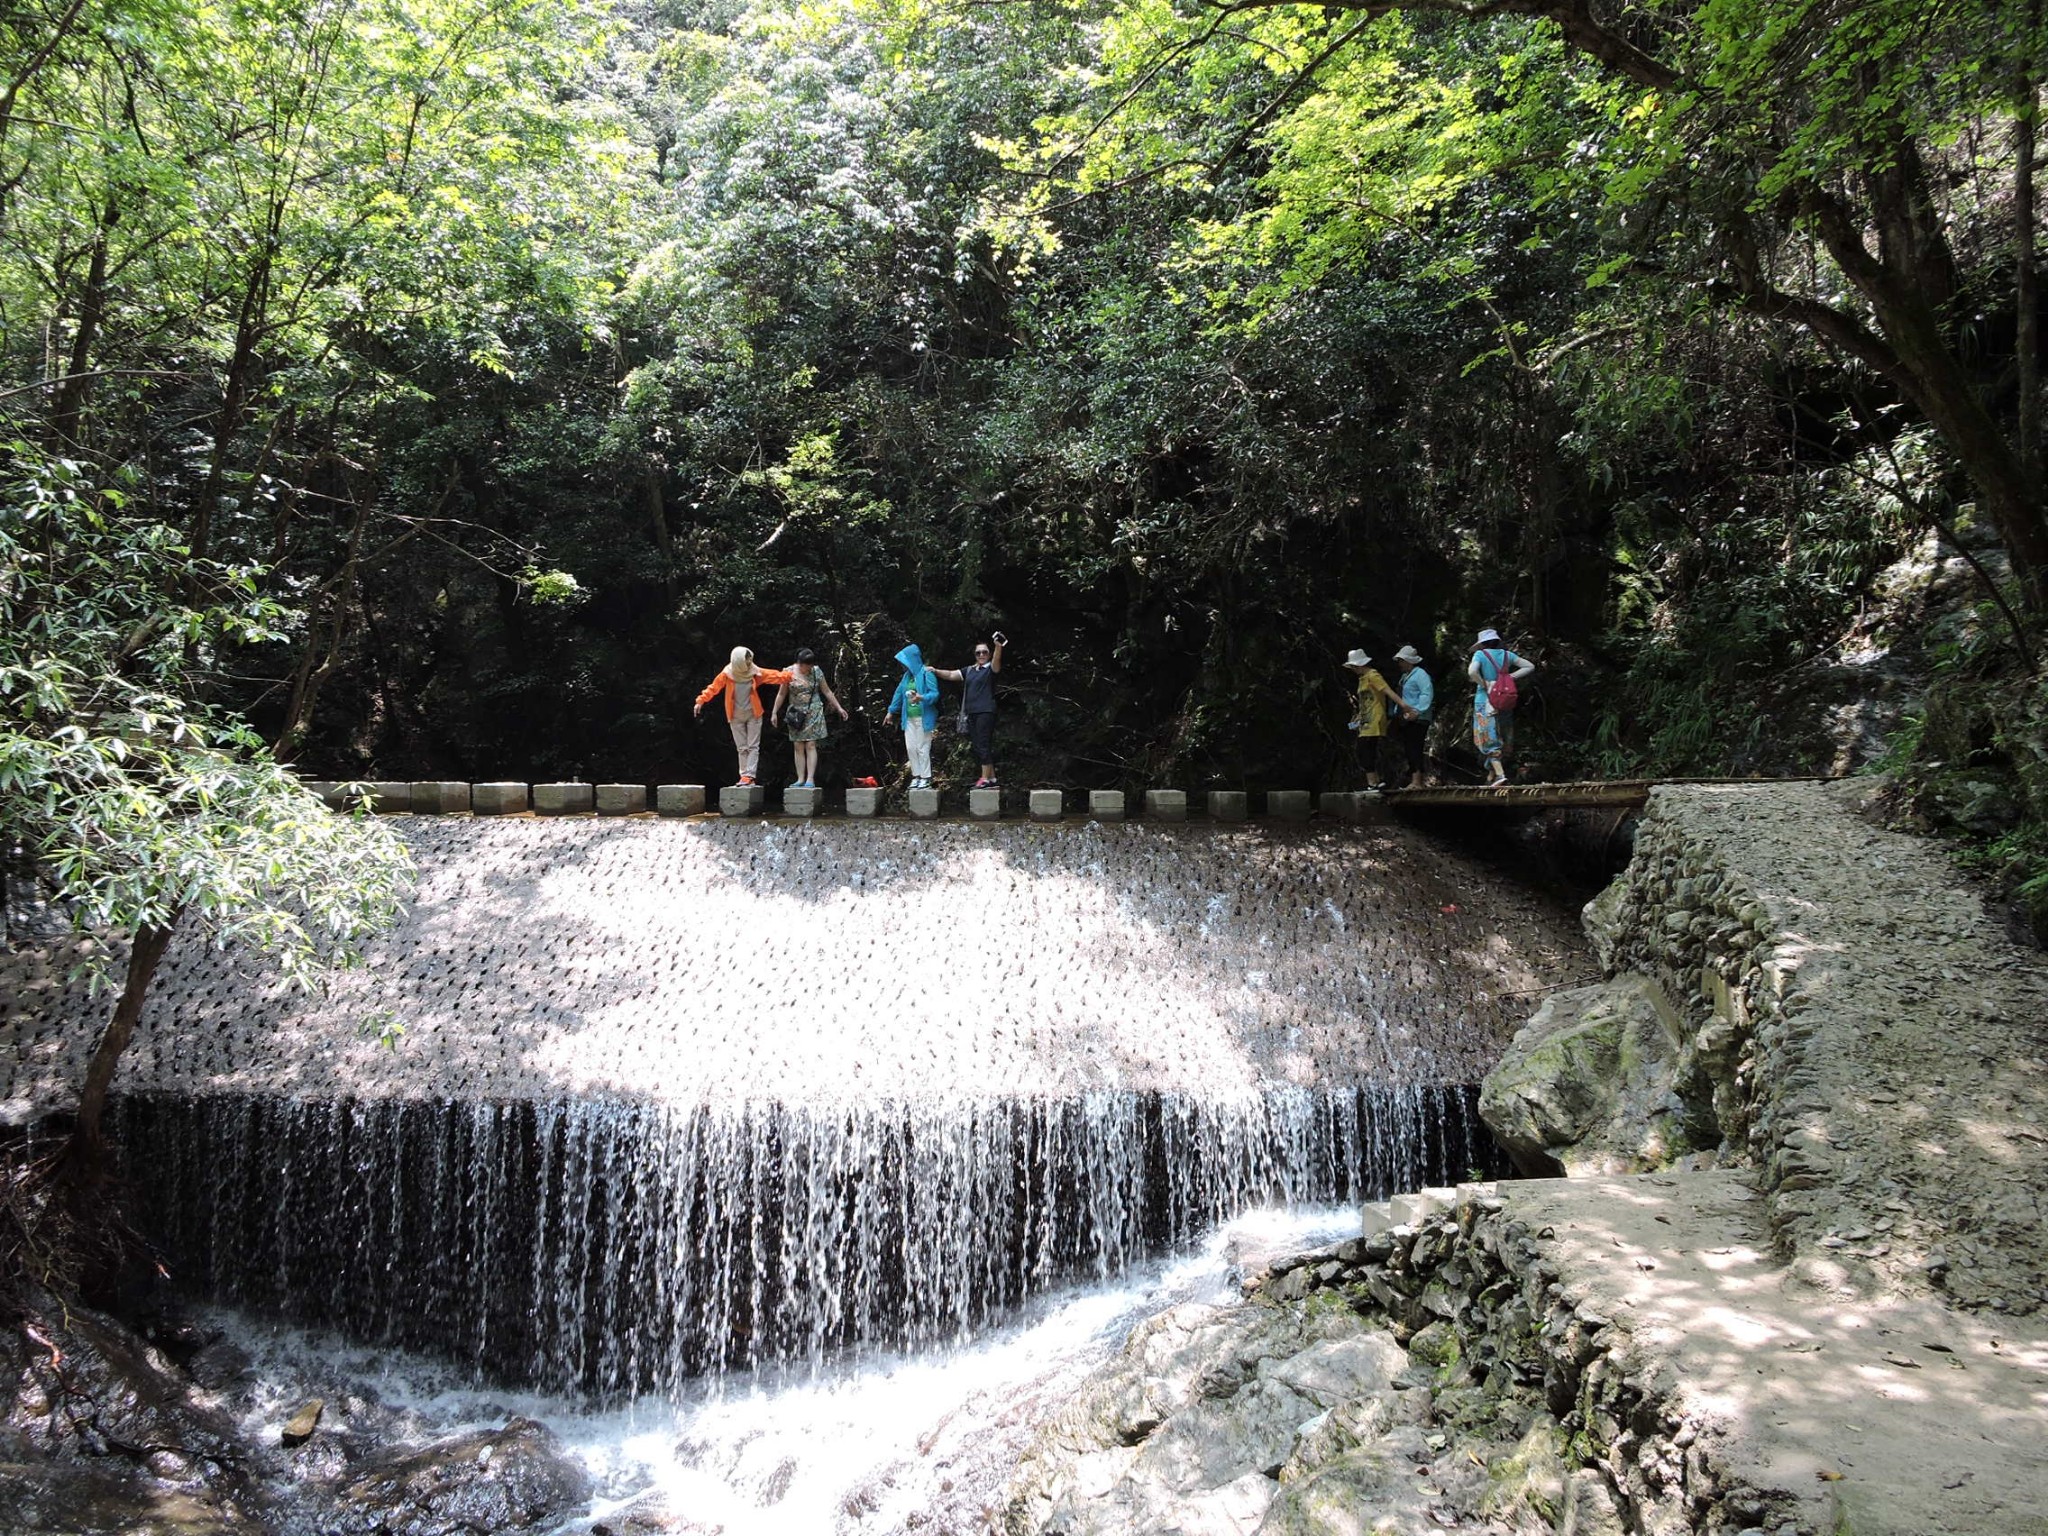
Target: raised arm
<point x="948" y="673"/>
<point x="995" y="661"/>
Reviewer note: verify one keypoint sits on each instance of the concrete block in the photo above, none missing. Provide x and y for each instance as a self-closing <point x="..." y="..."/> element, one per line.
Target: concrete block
<point x="497" y="799"/>
<point x="801" y="802"/>
<point x="924" y="802"/>
<point x="386" y="796"/>
<point x="562" y="799"/>
<point x="862" y="801"/>
<point x="621" y="799"/>
<point x="679" y="799"/>
<point x="324" y="788"/>
<point x="1166" y="804"/>
<point x="436" y="797"/>
<point x="1106" y="804"/>
<point x="1287" y="804"/>
<point x="1339" y="805"/>
<point x="1047" y="805"/>
<point x="984" y="804"/>
<point x="742" y="799"/>
<point x="1228" y="804"/>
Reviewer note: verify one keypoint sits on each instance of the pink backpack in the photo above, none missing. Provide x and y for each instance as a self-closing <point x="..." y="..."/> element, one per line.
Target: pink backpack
<point x="1502" y="693"/>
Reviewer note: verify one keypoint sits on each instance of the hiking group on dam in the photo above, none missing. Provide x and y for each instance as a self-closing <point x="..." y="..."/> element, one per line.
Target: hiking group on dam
<point x="1381" y="711"/>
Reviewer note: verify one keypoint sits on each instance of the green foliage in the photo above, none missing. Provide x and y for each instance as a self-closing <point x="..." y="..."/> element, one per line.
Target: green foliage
<point x="143" y="809"/>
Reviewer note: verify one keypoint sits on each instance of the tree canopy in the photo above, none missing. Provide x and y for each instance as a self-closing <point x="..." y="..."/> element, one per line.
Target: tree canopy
<point x="522" y="358"/>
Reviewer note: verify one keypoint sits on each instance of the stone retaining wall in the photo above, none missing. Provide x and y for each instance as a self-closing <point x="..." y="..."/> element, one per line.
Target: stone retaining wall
<point x="1466" y="1282"/>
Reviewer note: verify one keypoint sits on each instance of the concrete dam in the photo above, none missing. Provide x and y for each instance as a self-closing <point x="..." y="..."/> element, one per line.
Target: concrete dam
<point x="681" y="1097"/>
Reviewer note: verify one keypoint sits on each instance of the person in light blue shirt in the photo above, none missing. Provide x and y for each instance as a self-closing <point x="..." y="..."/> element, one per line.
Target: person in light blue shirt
<point x="1493" y="726"/>
<point x="917" y="700"/>
<point x="1418" y="707"/>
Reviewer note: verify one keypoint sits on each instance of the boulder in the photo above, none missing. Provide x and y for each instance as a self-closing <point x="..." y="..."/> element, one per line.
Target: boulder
<point x="101" y="1498"/>
<point x="1979" y="801"/>
<point x="1606" y="921"/>
<point x="513" y="1479"/>
<point x="653" y="1513"/>
<point x="1591" y="1084"/>
<point x="1381" y="1489"/>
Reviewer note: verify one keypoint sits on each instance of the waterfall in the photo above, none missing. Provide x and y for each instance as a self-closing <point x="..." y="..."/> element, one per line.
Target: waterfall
<point x="676" y="1099"/>
<point x="610" y="1248"/>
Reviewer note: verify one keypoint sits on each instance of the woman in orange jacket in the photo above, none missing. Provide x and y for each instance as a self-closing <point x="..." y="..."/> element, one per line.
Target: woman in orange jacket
<point x="740" y="681"/>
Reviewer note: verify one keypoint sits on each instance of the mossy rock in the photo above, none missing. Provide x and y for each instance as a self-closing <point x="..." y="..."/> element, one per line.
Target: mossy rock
<point x="1437" y="1347"/>
<point x="1533" y="1481"/>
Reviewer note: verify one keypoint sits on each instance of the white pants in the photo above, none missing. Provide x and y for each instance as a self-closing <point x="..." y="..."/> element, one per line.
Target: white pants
<point x="917" y="741"/>
<point x="746" y="740"/>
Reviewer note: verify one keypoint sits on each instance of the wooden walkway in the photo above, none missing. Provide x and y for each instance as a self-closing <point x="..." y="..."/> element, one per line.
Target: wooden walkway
<point x="1590" y="794"/>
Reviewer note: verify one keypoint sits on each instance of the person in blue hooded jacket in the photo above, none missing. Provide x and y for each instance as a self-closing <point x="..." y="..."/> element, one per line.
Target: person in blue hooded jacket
<point x="916" y="699"/>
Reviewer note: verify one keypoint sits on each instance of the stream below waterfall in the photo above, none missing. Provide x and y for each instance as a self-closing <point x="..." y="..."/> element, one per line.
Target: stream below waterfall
<point x="872" y="1442"/>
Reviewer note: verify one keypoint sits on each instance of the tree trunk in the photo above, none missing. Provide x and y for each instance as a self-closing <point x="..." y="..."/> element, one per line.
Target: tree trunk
<point x="69" y="407"/>
<point x="2026" y="285"/>
<point x="88" y="1139"/>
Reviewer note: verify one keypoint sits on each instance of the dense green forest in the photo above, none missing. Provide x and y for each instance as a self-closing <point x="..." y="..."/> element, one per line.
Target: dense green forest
<point x="443" y="388"/>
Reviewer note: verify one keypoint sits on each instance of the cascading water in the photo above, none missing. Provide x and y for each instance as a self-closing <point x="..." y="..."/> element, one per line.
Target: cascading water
<point x="612" y="1249"/>
<point x="686" y="1098"/>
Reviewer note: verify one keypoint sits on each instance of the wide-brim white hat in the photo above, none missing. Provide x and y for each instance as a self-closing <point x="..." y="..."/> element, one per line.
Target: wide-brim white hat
<point x="1486" y="635"/>
<point x="1358" y="659"/>
<point x="1408" y="653"/>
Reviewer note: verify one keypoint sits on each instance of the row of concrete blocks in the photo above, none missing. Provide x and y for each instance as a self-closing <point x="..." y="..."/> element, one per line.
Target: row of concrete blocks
<point x="434" y="797"/>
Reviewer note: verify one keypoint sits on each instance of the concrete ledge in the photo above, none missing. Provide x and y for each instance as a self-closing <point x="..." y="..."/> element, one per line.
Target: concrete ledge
<point x="497" y="799"/>
<point x="679" y="799"/>
<point x="1106" y="804"/>
<point x="436" y="797"/>
<point x="1340" y="805"/>
<point x="1166" y="804"/>
<point x="984" y="804"/>
<point x="801" y="802"/>
<point x="862" y="801"/>
<point x="621" y="799"/>
<point x="1228" y="804"/>
<point x="562" y="799"/>
<point x="924" y="803"/>
<point x="1047" y="805"/>
<point x="387" y="796"/>
<point x="324" y="788"/>
<point x="742" y="800"/>
<point x="1287" y="804"/>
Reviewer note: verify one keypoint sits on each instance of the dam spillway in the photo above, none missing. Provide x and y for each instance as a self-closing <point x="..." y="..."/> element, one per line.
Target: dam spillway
<point x="675" y="1097"/>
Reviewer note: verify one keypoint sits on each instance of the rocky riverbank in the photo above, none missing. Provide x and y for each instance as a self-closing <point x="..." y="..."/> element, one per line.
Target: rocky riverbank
<point x="108" y="1431"/>
<point x="1789" y="1289"/>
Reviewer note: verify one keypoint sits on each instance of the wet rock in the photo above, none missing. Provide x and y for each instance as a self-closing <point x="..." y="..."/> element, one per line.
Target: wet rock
<point x="104" y="1499"/>
<point x="113" y="1396"/>
<point x="513" y="1479"/>
<point x="1588" y="1086"/>
<point x="653" y="1513"/>
<point x="219" y="1366"/>
<point x="298" y="1429"/>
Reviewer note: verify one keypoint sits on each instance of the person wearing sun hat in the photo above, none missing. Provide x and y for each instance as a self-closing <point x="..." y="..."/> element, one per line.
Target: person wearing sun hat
<point x="1418" y="707"/>
<point x="740" y="681"/>
<point x="1493" y="721"/>
<point x="1370" y="719"/>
